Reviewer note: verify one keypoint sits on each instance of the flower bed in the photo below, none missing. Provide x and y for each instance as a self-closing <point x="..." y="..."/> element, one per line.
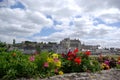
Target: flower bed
<point x="14" y="64"/>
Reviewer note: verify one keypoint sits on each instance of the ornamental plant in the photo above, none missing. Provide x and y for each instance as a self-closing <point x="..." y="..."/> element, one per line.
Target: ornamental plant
<point x="75" y="61"/>
<point x="107" y="62"/>
<point x="14" y="64"/>
<point x="118" y="63"/>
<point x="105" y="66"/>
<point x="48" y="64"/>
<point x="3" y="47"/>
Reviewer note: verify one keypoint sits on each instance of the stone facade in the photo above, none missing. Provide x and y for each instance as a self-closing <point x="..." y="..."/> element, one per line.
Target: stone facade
<point x="63" y="47"/>
<point x="67" y="43"/>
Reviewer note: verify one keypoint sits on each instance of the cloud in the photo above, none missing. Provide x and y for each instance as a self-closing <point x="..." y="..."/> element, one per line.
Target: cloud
<point x="109" y="15"/>
<point x="87" y="20"/>
<point x="21" y="23"/>
<point x="114" y="3"/>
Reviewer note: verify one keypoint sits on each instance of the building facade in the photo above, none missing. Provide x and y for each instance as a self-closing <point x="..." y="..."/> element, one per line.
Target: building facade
<point x="68" y="44"/>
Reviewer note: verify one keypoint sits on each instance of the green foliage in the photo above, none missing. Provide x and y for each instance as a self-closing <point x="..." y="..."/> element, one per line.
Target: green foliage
<point x="10" y="75"/>
<point x="14" y="64"/>
<point x="41" y="70"/>
<point x="40" y="59"/>
<point x="86" y="65"/>
<point x="90" y="65"/>
<point x="3" y="47"/>
<point x="66" y="65"/>
<point x="118" y="66"/>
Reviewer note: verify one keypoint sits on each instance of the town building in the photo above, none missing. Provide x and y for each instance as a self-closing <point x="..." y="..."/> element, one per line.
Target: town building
<point x="28" y="47"/>
<point x="67" y="43"/>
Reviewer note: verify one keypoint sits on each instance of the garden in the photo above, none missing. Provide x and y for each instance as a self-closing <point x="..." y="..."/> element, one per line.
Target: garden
<point x="14" y="64"/>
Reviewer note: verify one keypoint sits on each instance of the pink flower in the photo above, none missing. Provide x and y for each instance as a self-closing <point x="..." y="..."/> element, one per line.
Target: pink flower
<point x="107" y="62"/>
<point x="32" y="58"/>
<point x="56" y="70"/>
<point x="56" y="59"/>
<point x="118" y="62"/>
<point x="46" y="64"/>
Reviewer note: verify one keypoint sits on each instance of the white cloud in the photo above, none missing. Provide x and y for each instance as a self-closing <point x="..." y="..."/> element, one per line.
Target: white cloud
<point x="22" y="23"/>
<point x="109" y="15"/>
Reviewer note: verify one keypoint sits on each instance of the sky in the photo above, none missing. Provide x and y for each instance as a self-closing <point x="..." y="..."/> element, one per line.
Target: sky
<point x="93" y="22"/>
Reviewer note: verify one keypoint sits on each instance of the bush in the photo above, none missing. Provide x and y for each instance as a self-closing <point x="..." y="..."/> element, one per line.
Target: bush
<point x="14" y="64"/>
<point x="3" y="47"/>
<point x="75" y="61"/>
<point x="48" y="64"/>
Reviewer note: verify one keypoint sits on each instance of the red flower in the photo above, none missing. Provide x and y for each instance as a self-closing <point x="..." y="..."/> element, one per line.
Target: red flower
<point x="75" y="50"/>
<point x="71" y="54"/>
<point x="70" y="58"/>
<point x="77" y="60"/>
<point x="63" y="55"/>
<point x="87" y="53"/>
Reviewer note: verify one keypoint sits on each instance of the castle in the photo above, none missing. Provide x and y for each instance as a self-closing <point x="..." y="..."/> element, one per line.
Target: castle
<point x="67" y="44"/>
<point x="64" y="46"/>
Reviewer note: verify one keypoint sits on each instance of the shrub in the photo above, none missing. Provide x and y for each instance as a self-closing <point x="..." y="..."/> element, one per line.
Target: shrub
<point x="75" y="61"/>
<point x="3" y="47"/>
<point x="118" y="63"/>
<point x="15" y="64"/>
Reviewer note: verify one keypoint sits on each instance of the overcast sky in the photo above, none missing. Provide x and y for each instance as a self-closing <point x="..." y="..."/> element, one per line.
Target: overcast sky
<point x="94" y="22"/>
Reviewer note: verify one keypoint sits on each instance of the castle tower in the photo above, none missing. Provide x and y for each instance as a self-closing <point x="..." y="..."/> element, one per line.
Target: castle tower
<point x="13" y="41"/>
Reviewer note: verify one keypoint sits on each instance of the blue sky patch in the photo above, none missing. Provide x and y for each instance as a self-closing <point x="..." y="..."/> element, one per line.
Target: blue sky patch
<point x="99" y="21"/>
<point x="1" y="0"/>
<point x="49" y="16"/>
<point x="71" y="23"/>
<point x="78" y="16"/>
<point x="28" y="37"/>
<point x="55" y="22"/>
<point x="18" y="5"/>
<point x="116" y="24"/>
<point x="46" y="32"/>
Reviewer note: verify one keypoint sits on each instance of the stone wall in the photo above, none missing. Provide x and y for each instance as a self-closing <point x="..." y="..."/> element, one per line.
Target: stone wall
<point x="112" y="74"/>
